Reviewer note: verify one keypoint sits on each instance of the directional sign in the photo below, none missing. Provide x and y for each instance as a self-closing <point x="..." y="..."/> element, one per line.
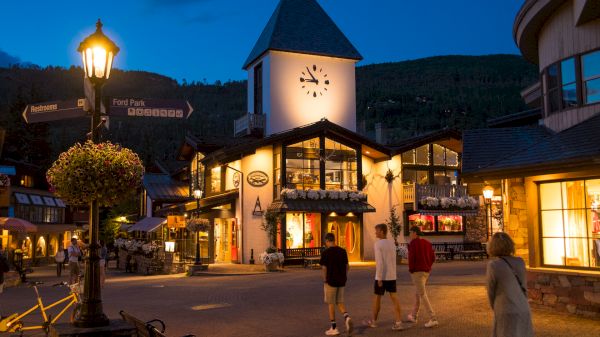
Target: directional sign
<point x="51" y="111"/>
<point x="142" y="107"/>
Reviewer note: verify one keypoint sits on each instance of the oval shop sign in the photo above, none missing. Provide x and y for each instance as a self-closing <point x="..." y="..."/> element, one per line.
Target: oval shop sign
<point x="257" y="178"/>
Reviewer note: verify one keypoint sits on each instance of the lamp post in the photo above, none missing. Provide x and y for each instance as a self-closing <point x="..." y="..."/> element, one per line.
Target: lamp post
<point x="198" y="195"/>
<point x="97" y="52"/>
<point x="488" y="194"/>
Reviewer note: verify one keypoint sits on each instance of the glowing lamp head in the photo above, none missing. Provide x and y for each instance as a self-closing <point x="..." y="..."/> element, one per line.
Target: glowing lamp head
<point x="488" y="192"/>
<point x="97" y="52"/>
<point x="169" y="246"/>
<point x="197" y="193"/>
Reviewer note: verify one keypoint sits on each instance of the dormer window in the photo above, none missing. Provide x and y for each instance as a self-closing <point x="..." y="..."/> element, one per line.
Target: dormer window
<point x="258" y="93"/>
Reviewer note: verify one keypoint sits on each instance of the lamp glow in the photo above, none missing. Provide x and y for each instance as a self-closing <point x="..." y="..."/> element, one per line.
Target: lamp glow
<point x="97" y="52"/>
<point x="488" y="192"/>
<point x="169" y="246"/>
<point x="197" y="193"/>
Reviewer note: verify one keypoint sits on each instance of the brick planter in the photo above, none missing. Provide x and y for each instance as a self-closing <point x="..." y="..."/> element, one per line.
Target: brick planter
<point x="564" y="291"/>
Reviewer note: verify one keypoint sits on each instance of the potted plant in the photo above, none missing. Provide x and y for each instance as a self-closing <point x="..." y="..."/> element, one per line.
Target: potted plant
<point x="272" y="259"/>
<point x="394" y="224"/>
<point x="270" y="222"/>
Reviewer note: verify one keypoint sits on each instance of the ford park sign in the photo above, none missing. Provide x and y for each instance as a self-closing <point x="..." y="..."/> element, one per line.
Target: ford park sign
<point x="257" y="178"/>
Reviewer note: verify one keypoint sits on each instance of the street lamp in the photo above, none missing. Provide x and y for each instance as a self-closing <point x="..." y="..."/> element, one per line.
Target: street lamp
<point x="97" y="52"/>
<point x="198" y="195"/>
<point x="488" y="194"/>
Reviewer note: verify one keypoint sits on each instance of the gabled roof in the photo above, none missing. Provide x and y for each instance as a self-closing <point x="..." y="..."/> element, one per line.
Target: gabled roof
<point x="231" y="153"/>
<point x="302" y="26"/>
<point x="523" y="118"/>
<point x="532" y="151"/>
<point x="204" y="144"/>
<point x="160" y="187"/>
<point x="446" y="137"/>
<point x="483" y="148"/>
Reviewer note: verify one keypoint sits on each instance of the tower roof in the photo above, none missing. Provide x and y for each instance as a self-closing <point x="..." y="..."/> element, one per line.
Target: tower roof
<point x="302" y="26"/>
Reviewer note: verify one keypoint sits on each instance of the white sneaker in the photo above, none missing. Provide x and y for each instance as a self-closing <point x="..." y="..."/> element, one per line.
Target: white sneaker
<point x="332" y="332"/>
<point x="432" y="323"/>
<point x="349" y="326"/>
<point x="398" y="326"/>
<point x="411" y="318"/>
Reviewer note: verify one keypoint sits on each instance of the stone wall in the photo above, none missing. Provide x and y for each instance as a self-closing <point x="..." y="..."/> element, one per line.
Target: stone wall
<point x="517" y="224"/>
<point x="476" y="230"/>
<point x="571" y="294"/>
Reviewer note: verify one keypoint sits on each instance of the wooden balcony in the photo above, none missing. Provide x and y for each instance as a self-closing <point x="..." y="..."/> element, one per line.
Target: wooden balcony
<point x="414" y="192"/>
<point x="250" y="124"/>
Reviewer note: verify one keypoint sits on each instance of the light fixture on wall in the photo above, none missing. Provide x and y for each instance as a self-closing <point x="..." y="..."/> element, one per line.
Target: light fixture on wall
<point x="169" y="246"/>
<point x="488" y="194"/>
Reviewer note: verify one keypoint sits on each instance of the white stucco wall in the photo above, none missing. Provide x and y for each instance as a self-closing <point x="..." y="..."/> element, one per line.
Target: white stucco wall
<point x="289" y="104"/>
<point x="266" y="68"/>
<point x="382" y="195"/>
<point x="252" y="236"/>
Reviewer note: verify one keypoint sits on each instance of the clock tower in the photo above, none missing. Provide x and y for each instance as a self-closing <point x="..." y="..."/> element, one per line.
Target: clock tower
<point x="302" y="69"/>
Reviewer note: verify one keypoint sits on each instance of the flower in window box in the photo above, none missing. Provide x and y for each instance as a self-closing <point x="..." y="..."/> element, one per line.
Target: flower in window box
<point x="312" y="194"/>
<point x="301" y="194"/>
<point x="322" y="194"/>
<point x="333" y="194"/>
<point x="343" y="195"/>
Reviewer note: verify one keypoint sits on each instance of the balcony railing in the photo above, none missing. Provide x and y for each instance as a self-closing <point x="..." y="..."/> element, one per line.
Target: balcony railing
<point x="250" y="124"/>
<point x="414" y="192"/>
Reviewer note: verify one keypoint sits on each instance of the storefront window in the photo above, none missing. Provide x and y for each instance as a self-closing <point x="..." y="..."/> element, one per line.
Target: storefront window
<point x="450" y="223"/>
<point x="215" y="179"/>
<point x="591" y="77"/>
<point x="570" y="223"/>
<point x="347" y="233"/>
<point x="303" y="230"/>
<point x="340" y="166"/>
<point x="302" y="162"/>
<point x="422" y="155"/>
<point x="425" y="222"/>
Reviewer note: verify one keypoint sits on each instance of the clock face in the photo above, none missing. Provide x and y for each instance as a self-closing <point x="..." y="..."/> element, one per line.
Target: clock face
<point x="314" y="81"/>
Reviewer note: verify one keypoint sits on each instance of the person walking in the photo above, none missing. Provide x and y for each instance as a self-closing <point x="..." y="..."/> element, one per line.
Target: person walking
<point x="420" y="259"/>
<point x="75" y="255"/>
<point x="334" y="265"/>
<point x="59" y="258"/>
<point x="507" y="289"/>
<point x="385" y="277"/>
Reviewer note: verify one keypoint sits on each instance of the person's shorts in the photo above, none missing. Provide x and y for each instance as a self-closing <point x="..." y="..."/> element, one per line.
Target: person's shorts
<point x="389" y="286"/>
<point x="74" y="268"/>
<point x="333" y="295"/>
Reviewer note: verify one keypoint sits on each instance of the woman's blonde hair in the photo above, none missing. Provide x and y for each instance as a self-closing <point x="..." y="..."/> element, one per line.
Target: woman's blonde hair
<point x="501" y="245"/>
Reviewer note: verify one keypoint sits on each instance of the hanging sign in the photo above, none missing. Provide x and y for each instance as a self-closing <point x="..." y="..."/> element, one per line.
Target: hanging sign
<point x="236" y="180"/>
<point x="257" y="178"/>
<point x="175" y="221"/>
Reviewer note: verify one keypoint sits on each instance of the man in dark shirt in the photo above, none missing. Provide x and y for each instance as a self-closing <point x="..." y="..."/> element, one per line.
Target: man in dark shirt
<point x="334" y="264"/>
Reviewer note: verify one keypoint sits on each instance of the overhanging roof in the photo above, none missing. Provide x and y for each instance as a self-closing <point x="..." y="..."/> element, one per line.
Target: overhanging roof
<point x="321" y="206"/>
<point x="149" y="224"/>
<point x="161" y="187"/>
<point x="449" y="138"/>
<point x="302" y="26"/>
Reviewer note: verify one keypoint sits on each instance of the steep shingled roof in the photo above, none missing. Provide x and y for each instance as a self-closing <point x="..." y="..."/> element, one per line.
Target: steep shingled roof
<point x="302" y="26"/>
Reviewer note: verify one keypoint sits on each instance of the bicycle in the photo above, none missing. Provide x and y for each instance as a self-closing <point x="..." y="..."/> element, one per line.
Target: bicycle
<point x="13" y="323"/>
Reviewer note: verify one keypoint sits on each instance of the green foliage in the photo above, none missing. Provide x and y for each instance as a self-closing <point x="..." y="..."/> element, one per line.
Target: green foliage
<point x="269" y="224"/>
<point x="89" y="172"/>
<point x="110" y="226"/>
<point x="394" y="224"/>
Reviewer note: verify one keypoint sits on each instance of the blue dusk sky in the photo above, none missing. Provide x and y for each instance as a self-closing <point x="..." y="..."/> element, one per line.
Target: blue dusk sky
<point x="209" y="40"/>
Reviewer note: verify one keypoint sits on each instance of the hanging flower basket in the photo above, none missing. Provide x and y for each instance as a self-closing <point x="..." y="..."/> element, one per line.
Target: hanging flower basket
<point x="197" y="225"/>
<point x="104" y="172"/>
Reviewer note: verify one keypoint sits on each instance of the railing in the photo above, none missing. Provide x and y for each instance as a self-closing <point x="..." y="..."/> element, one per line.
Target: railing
<point x="414" y="193"/>
<point x="249" y="124"/>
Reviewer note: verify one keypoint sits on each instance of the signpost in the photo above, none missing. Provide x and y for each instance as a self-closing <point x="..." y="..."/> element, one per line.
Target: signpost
<point x="51" y="111"/>
<point x="142" y="107"/>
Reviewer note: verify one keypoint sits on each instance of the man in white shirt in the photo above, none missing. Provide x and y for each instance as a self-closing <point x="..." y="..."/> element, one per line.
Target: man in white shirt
<point x="74" y="256"/>
<point x="385" y="277"/>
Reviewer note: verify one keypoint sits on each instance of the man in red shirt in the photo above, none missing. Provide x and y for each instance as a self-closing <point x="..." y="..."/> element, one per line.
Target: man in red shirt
<point x="420" y="259"/>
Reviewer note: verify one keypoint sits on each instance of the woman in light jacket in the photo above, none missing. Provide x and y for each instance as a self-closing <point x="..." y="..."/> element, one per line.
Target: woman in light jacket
<point x="507" y="289"/>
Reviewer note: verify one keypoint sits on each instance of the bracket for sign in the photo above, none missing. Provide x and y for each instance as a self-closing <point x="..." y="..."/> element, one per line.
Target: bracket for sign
<point x="258" y="211"/>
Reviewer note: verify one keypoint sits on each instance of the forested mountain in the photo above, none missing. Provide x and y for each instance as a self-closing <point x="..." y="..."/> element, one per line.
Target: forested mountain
<point x="409" y="97"/>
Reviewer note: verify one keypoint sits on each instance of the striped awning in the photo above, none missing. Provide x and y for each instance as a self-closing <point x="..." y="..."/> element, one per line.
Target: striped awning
<point x="17" y="225"/>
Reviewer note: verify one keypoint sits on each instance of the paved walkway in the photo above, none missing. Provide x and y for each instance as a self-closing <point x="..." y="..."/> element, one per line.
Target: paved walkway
<point x="289" y="304"/>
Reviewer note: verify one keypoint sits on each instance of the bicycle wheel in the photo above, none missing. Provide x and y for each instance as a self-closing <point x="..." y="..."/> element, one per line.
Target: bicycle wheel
<point x="75" y="312"/>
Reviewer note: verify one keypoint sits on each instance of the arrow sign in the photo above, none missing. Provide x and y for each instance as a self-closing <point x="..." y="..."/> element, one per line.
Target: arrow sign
<point x="52" y="111"/>
<point x="143" y="107"/>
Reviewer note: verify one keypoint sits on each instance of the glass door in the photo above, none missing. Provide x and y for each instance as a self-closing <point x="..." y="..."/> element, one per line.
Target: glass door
<point x="347" y="234"/>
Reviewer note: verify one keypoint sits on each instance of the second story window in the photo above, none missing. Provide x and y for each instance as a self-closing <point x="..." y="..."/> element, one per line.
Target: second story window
<point x="258" y="92"/>
<point x="26" y="181"/>
<point x="430" y="164"/>
<point x="568" y="80"/>
<point x="590" y="64"/>
<point x="215" y="180"/>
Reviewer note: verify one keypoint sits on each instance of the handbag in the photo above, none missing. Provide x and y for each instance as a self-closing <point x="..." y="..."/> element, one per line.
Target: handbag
<point x="516" y="276"/>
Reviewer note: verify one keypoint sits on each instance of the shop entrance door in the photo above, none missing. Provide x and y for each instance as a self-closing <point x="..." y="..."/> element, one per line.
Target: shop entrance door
<point x="226" y="240"/>
<point x="347" y="233"/>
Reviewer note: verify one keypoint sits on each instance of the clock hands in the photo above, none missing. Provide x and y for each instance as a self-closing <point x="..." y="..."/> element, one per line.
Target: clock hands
<point x="314" y="80"/>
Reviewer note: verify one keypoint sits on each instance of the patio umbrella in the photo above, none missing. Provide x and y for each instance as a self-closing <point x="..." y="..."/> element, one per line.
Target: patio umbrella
<point x="17" y="225"/>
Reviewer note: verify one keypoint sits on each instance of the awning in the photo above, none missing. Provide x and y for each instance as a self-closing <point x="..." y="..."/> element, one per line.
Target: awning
<point x="34" y="199"/>
<point x="55" y="228"/>
<point x="17" y="225"/>
<point x="321" y="206"/>
<point x="149" y="224"/>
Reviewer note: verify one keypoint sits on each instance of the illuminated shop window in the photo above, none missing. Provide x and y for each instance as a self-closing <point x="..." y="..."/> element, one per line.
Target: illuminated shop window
<point x="215" y="179"/>
<point x="425" y="222"/>
<point x="450" y="223"/>
<point x="302" y="162"/>
<point x="570" y="223"/>
<point x="303" y="230"/>
<point x="340" y="166"/>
